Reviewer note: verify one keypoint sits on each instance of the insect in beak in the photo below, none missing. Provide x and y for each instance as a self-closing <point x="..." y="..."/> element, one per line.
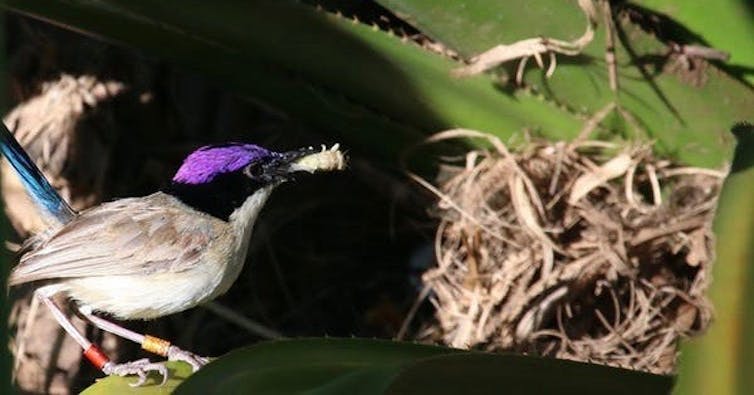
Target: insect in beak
<point x="284" y="166"/>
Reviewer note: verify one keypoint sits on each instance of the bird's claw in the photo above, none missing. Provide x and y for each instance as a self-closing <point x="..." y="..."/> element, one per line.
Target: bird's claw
<point x="141" y="368"/>
<point x="196" y="362"/>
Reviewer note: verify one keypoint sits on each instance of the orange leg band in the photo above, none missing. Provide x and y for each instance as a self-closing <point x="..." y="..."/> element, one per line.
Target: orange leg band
<point x="96" y="357"/>
<point x="155" y="345"/>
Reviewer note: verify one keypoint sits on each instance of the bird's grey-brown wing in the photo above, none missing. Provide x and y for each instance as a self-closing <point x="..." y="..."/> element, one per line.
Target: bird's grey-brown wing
<point x="139" y="235"/>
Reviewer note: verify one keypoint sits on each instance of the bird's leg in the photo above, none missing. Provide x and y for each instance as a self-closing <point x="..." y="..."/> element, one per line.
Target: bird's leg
<point x="149" y="343"/>
<point x="98" y="358"/>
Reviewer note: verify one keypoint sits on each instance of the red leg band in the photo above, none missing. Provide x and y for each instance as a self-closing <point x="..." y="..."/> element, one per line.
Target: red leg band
<point x="96" y="357"/>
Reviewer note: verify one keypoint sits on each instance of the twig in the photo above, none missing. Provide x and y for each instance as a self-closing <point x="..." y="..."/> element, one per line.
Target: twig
<point x="592" y="123"/>
<point x="533" y="47"/>
<point x="31" y="316"/>
<point x="412" y="312"/>
<point x="246" y="323"/>
<point x="612" y="68"/>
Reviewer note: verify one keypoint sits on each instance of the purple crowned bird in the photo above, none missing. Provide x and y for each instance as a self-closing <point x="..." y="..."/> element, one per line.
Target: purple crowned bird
<point x="146" y="257"/>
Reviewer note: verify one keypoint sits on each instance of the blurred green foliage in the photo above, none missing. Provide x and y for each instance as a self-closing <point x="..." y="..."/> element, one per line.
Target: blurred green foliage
<point x="721" y="361"/>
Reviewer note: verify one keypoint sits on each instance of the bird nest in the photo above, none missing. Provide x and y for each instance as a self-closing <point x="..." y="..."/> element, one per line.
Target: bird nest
<point x="65" y="129"/>
<point x="589" y="251"/>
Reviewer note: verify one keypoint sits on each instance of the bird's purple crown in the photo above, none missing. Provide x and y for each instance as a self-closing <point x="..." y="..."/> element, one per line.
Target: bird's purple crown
<point x="206" y="163"/>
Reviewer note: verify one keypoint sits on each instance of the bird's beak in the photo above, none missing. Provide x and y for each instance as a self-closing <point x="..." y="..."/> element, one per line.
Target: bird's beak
<point x="309" y="160"/>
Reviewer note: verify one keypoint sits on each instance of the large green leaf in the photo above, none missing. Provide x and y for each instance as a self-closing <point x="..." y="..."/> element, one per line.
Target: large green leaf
<point x="471" y="27"/>
<point x="689" y="122"/>
<point x="721" y="361"/>
<point x="369" y="88"/>
<point x="362" y="366"/>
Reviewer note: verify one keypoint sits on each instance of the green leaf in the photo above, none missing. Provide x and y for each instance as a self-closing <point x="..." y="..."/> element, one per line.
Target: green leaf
<point x="471" y="27"/>
<point x="361" y="366"/>
<point x="178" y="372"/>
<point x="689" y="122"/>
<point x="370" y="89"/>
<point x="721" y="361"/>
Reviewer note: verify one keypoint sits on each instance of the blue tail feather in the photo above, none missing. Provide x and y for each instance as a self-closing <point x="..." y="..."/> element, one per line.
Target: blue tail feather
<point x="39" y="189"/>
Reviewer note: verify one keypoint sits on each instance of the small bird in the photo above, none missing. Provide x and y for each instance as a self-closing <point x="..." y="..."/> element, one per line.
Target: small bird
<point x="151" y="256"/>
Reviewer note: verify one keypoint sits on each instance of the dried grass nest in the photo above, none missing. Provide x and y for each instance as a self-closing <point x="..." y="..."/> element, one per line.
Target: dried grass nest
<point x="65" y="129"/>
<point x="588" y="251"/>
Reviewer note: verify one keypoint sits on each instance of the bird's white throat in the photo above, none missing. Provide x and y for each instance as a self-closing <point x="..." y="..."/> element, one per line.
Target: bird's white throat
<point x="243" y="218"/>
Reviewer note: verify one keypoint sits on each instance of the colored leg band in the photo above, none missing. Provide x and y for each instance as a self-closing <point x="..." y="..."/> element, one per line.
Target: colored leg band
<point x="96" y="357"/>
<point x="155" y="345"/>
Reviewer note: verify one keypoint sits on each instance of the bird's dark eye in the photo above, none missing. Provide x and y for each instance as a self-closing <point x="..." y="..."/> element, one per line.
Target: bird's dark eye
<point x="254" y="170"/>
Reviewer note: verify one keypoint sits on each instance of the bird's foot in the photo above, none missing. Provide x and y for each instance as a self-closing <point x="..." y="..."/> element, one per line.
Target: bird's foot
<point x="141" y="368"/>
<point x="196" y="362"/>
